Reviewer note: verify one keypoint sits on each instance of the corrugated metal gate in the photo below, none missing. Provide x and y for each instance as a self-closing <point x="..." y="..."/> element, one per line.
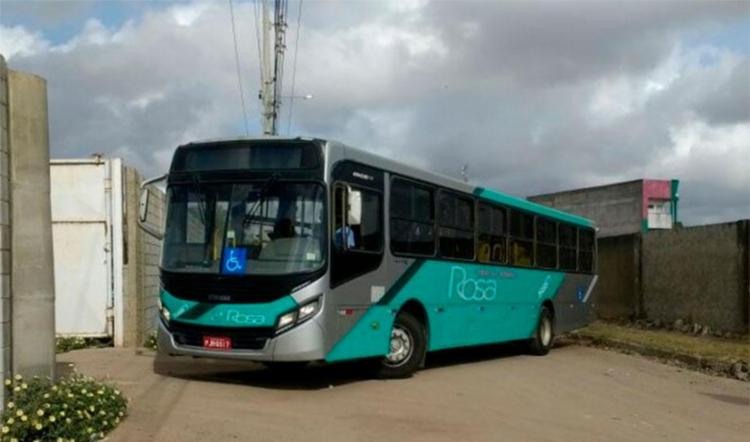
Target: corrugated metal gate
<point x="87" y="198"/>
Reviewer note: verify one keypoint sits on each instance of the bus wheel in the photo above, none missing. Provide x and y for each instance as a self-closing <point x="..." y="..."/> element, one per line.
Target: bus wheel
<point x="407" y="348"/>
<point x="541" y="343"/>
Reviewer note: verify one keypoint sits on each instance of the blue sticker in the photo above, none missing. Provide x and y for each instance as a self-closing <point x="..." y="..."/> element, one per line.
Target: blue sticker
<point x="234" y="261"/>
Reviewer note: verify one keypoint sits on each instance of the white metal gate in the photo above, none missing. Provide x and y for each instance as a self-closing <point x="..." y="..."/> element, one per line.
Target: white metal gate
<point x="86" y="197"/>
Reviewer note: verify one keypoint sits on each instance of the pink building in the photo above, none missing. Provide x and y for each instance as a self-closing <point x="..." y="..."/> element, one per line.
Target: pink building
<point x="621" y="208"/>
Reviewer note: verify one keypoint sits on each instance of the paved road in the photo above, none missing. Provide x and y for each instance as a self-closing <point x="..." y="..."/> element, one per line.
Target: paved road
<point x="573" y="394"/>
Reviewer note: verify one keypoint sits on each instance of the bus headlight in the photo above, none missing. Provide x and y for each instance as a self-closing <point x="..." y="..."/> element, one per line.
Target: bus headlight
<point x="308" y="310"/>
<point x="163" y="310"/>
<point x="303" y="313"/>
<point x="286" y="320"/>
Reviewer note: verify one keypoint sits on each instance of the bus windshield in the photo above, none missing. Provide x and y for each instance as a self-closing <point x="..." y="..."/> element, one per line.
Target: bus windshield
<point x="250" y="228"/>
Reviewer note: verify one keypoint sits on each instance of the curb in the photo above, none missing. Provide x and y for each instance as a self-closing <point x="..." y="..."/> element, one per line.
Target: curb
<point x="726" y="368"/>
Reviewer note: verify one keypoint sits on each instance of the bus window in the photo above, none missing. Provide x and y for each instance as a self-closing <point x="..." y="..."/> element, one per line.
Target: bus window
<point x="585" y="250"/>
<point x="491" y="244"/>
<point x="361" y="208"/>
<point x="568" y="244"/>
<point x="412" y="218"/>
<point x="521" y="239"/>
<point x="546" y="243"/>
<point x="456" y="220"/>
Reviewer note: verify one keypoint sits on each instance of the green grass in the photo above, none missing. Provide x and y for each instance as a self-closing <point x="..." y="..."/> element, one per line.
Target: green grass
<point x="664" y="341"/>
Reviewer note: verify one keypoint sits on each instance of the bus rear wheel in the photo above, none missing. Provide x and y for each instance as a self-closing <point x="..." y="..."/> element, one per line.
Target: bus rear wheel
<point x="408" y="345"/>
<point x="541" y="343"/>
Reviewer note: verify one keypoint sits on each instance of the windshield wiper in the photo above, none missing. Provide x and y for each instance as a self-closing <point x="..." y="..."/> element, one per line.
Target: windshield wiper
<point x="261" y="196"/>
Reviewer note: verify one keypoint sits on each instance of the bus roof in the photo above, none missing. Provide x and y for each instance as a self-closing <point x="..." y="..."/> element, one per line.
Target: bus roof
<point x="452" y="183"/>
<point x="348" y="152"/>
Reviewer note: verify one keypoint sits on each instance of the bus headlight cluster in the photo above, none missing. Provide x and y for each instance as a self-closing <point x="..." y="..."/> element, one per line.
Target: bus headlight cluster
<point x="163" y="310"/>
<point x="307" y="311"/>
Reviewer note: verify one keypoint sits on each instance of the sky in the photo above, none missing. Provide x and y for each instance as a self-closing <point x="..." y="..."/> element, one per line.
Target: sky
<point x="533" y="97"/>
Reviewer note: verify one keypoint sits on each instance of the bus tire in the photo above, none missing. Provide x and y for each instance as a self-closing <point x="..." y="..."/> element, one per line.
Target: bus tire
<point x="407" y="348"/>
<point x="544" y="335"/>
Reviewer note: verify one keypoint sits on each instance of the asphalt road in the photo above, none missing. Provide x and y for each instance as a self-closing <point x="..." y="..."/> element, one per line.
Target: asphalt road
<point x="572" y="394"/>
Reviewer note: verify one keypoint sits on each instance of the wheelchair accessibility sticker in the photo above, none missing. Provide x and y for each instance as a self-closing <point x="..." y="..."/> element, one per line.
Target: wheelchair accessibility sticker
<point x="234" y="261"/>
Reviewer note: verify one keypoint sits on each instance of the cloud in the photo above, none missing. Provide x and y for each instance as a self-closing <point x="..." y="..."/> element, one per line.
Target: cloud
<point x="534" y="97"/>
<point x="17" y="41"/>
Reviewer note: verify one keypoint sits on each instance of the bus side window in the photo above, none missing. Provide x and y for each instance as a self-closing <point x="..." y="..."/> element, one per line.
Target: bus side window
<point x="568" y="243"/>
<point x="357" y="219"/>
<point x="546" y="243"/>
<point x="491" y="236"/>
<point x="585" y="250"/>
<point x="521" y="238"/>
<point x="412" y="218"/>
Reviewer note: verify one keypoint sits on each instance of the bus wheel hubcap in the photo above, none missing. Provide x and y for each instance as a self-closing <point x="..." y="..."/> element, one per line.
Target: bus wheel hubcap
<point x="546" y="331"/>
<point x="401" y="346"/>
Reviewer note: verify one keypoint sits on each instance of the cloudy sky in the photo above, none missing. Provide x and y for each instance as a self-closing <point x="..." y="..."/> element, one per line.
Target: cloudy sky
<point x="534" y="96"/>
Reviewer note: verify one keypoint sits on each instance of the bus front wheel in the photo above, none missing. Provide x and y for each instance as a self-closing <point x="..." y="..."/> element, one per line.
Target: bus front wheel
<point x="541" y="342"/>
<point x="407" y="348"/>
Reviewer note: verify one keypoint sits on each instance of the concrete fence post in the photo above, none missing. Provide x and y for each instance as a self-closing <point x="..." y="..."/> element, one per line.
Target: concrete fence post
<point x="32" y="271"/>
<point x="5" y="300"/>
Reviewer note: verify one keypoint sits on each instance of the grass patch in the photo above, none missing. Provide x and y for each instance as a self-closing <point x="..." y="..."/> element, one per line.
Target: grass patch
<point x="74" y="408"/>
<point x="699" y="346"/>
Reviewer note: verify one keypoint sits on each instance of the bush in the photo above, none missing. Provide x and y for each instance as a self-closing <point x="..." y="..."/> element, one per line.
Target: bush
<point x="75" y="408"/>
<point x="68" y="343"/>
<point x="151" y="341"/>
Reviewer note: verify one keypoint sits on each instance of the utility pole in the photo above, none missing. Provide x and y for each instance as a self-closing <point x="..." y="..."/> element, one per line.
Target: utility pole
<point x="272" y="63"/>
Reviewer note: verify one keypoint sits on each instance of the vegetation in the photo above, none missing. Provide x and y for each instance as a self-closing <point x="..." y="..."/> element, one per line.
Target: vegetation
<point x="150" y="341"/>
<point x="704" y="346"/>
<point x="68" y="343"/>
<point x="76" y="408"/>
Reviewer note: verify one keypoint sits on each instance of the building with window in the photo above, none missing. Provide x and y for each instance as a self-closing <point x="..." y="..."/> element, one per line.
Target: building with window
<point x="621" y="208"/>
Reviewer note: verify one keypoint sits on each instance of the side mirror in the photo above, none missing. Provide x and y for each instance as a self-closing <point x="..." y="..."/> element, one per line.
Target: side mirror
<point x="149" y="227"/>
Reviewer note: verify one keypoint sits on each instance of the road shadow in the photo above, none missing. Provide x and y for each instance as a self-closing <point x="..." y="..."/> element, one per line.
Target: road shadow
<point x="470" y="355"/>
<point x="729" y="399"/>
<point x="317" y="376"/>
<point x="281" y="377"/>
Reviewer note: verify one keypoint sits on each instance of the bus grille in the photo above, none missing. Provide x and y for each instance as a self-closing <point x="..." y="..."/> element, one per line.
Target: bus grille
<point x="250" y="338"/>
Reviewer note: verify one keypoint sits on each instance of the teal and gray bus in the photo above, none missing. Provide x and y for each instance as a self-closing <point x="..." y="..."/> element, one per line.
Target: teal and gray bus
<point x="300" y="249"/>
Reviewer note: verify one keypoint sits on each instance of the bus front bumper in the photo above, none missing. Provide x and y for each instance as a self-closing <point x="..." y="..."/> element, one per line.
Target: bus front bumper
<point x="304" y="342"/>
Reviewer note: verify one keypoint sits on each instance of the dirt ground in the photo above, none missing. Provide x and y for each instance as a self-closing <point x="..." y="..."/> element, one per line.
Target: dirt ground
<point x="572" y="394"/>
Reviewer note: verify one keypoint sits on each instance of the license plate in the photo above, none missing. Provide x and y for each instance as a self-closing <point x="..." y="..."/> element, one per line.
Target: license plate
<point x="217" y="342"/>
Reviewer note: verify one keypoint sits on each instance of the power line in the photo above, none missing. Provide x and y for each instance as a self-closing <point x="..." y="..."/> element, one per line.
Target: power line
<point x="239" y="73"/>
<point x="294" y="68"/>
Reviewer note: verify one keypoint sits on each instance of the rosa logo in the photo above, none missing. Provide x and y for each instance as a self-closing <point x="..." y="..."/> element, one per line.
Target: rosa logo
<point x="471" y="289"/>
<point x="238" y="317"/>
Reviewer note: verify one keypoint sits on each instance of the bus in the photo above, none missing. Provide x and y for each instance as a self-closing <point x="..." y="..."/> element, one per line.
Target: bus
<point x="282" y="250"/>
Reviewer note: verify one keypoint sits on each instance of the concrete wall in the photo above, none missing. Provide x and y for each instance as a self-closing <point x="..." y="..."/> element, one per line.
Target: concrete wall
<point x="616" y="293"/>
<point x="150" y="259"/>
<point x="142" y="262"/>
<point x="616" y="209"/>
<point x="32" y="273"/>
<point x="699" y="274"/>
<point x="5" y="300"/>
